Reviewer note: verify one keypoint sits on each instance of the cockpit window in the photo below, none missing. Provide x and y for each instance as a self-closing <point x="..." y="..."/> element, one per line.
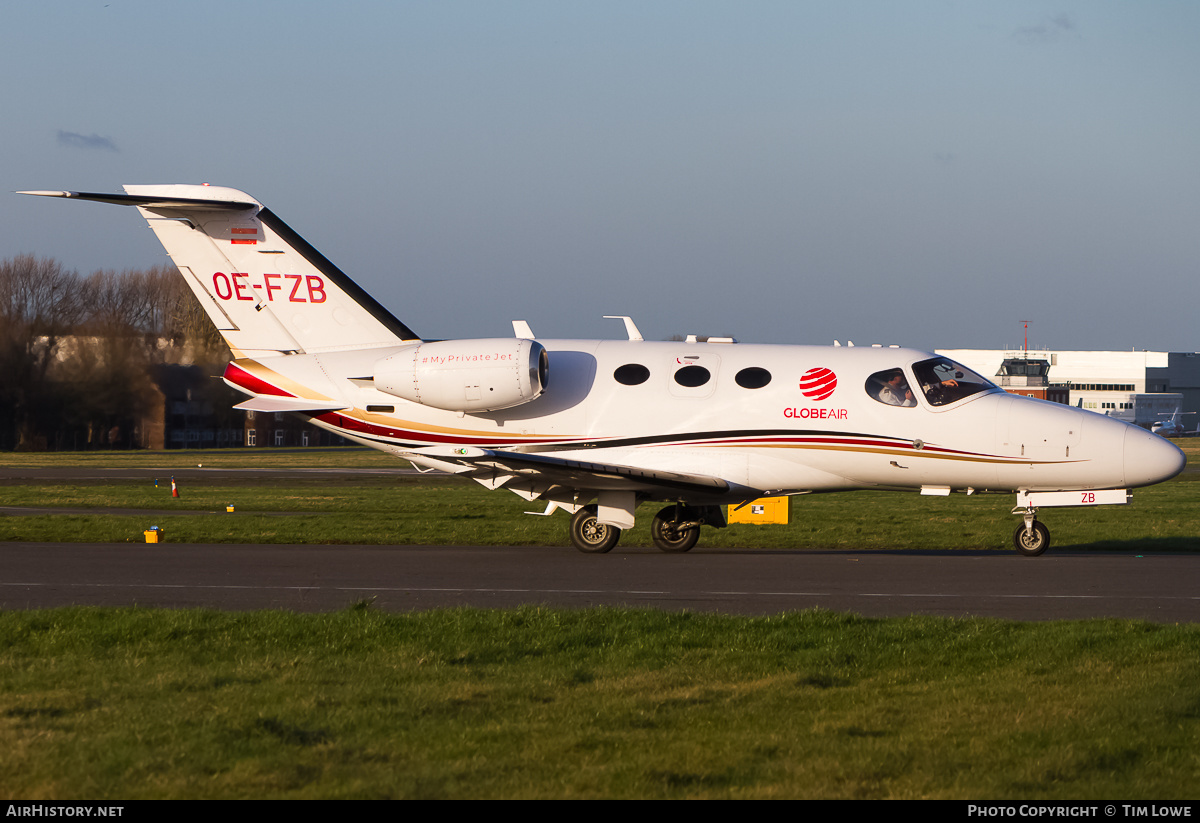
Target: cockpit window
<point x="891" y="388"/>
<point x="943" y="381"/>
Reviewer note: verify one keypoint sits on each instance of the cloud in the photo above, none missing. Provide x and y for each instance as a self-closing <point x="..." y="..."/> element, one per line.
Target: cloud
<point x="85" y="141"/>
<point x="1051" y="29"/>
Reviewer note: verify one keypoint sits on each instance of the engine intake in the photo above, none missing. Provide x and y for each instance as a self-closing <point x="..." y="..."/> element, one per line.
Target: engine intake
<point x="466" y="375"/>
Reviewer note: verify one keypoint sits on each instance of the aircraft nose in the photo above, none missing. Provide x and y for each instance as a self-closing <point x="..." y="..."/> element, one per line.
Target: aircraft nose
<point x="1150" y="459"/>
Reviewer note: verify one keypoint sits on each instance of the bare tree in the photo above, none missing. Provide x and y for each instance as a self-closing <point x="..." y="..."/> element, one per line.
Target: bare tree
<point x="40" y="303"/>
<point x="106" y="363"/>
<point x="79" y="355"/>
<point x="181" y="322"/>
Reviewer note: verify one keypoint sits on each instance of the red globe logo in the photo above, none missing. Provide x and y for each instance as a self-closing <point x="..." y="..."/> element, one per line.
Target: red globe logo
<point x="818" y="384"/>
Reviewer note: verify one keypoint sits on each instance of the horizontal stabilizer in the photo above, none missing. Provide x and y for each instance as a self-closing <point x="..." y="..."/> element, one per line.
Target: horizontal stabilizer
<point x="267" y="403"/>
<point x="153" y="201"/>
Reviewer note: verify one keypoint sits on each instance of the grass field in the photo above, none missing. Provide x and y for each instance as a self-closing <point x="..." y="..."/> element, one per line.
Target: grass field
<point x="112" y="704"/>
<point x="429" y="510"/>
<point x="539" y="703"/>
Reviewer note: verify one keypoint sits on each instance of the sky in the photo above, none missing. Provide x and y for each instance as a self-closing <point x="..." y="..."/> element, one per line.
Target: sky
<point x="928" y="173"/>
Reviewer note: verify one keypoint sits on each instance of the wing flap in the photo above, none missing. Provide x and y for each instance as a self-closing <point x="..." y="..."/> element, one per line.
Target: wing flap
<point x="578" y="474"/>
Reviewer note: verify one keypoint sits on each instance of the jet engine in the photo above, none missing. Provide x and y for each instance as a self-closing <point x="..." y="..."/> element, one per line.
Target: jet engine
<point x="466" y="375"/>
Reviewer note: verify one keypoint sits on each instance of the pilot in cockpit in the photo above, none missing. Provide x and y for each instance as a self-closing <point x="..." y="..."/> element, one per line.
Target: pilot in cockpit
<point x="895" y="391"/>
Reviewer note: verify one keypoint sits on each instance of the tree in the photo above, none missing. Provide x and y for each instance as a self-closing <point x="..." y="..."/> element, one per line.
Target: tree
<point x="40" y="303"/>
<point x="77" y="353"/>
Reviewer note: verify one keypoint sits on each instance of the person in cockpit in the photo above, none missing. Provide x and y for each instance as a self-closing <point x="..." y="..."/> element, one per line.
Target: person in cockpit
<point x="895" y="391"/>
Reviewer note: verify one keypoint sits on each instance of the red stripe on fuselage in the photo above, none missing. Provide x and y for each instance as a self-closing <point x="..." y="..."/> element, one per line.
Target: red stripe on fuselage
<point x="256" y="385"/>
<point x="353" y="424"/>
<point x="847" y="441"/>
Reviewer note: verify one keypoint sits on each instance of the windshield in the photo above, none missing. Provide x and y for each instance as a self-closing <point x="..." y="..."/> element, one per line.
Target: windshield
<point x="943" y="381"/>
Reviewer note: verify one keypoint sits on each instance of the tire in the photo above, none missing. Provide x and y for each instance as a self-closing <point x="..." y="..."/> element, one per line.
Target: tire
<point x="591" y="536"/>
<point x="668" y="539"/>
<point x="1032" y="544"/>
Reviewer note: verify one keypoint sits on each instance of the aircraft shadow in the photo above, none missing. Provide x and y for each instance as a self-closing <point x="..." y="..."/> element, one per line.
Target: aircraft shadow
<point x="1155" y="545"/>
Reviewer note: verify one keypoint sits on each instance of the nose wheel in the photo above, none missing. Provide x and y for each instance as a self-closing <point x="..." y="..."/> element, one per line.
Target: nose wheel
<point x="1031" y="537"/>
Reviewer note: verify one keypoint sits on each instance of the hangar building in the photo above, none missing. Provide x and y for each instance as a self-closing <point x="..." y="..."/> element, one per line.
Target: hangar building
<point x="1142" y="387"/>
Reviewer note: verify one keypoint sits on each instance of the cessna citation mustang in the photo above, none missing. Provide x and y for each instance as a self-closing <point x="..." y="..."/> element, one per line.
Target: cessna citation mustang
<point x="618" y="422"/>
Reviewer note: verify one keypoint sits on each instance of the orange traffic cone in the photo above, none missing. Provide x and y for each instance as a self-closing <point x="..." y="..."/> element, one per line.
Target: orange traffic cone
<point x="174" y="488"/>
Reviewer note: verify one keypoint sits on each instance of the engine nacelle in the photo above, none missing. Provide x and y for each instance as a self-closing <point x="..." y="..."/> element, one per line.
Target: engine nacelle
<point x="466" y="375"/>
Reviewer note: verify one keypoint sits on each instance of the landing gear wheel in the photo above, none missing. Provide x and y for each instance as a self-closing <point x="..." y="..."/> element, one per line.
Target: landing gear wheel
<point x="669" y="539"/>
<point x="590" y="535"/>
<point x="1034" y="542"/>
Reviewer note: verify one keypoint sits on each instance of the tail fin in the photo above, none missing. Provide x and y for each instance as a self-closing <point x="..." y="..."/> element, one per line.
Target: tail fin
<point x="267" y="290"/>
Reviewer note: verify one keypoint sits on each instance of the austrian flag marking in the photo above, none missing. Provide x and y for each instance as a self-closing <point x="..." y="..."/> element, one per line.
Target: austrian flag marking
<point x="818" y="384"/>
<point x="240" y="237"/>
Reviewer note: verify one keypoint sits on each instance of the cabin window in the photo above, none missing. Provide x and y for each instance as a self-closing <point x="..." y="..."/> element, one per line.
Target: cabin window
<point x="631" y="374"/>
<point x="891" y="388"/>
<point x="943" y="381"/>
<point x="692" y="376"/>
<point x="752" y="378"/>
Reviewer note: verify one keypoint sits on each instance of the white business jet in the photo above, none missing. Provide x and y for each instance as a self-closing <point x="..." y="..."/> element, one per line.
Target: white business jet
<point x="596" y="427"/>
<point x="1171" y="427"/>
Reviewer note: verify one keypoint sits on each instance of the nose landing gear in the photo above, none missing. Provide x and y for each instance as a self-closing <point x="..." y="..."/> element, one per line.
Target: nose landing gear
<point x="1031" y="537"/>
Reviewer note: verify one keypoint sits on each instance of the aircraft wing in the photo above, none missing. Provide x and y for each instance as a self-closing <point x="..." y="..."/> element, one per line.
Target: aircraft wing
<point x="497" y="469"/>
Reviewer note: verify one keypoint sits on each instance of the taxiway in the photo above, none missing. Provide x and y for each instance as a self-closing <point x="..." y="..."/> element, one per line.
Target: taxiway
<point x="322" y="577"/>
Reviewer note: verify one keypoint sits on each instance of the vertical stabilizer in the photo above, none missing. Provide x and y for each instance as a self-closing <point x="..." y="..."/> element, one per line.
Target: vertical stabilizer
<point x="265" y="288"/>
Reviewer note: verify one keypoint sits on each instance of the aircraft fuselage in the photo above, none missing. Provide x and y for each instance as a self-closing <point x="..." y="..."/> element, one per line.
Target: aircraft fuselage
<point x="772" y="437"/>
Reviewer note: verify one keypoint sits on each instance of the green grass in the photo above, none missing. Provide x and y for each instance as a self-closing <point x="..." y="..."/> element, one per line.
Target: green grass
<point x="313" y="457"/>
<point x="434" y="510"/>
<point x="534" y="702"/>
<point x="450" y="512"/>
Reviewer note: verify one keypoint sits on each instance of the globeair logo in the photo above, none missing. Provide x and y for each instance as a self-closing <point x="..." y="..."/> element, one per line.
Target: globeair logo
<point x="818" y="384"/>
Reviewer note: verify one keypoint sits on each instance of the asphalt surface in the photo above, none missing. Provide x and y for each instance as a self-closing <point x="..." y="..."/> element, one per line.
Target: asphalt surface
<point x="322" y="578"/>
<point x="1059" y="585"/>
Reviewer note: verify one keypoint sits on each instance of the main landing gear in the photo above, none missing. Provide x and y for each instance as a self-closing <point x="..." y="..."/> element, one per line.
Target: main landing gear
<point x="589" y="535"/>
<point x="1031" y="537"/>
<point x="675" y="529"/>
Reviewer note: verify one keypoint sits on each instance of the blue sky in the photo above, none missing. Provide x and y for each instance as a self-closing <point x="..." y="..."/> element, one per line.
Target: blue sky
<point x="919" y="173"/>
